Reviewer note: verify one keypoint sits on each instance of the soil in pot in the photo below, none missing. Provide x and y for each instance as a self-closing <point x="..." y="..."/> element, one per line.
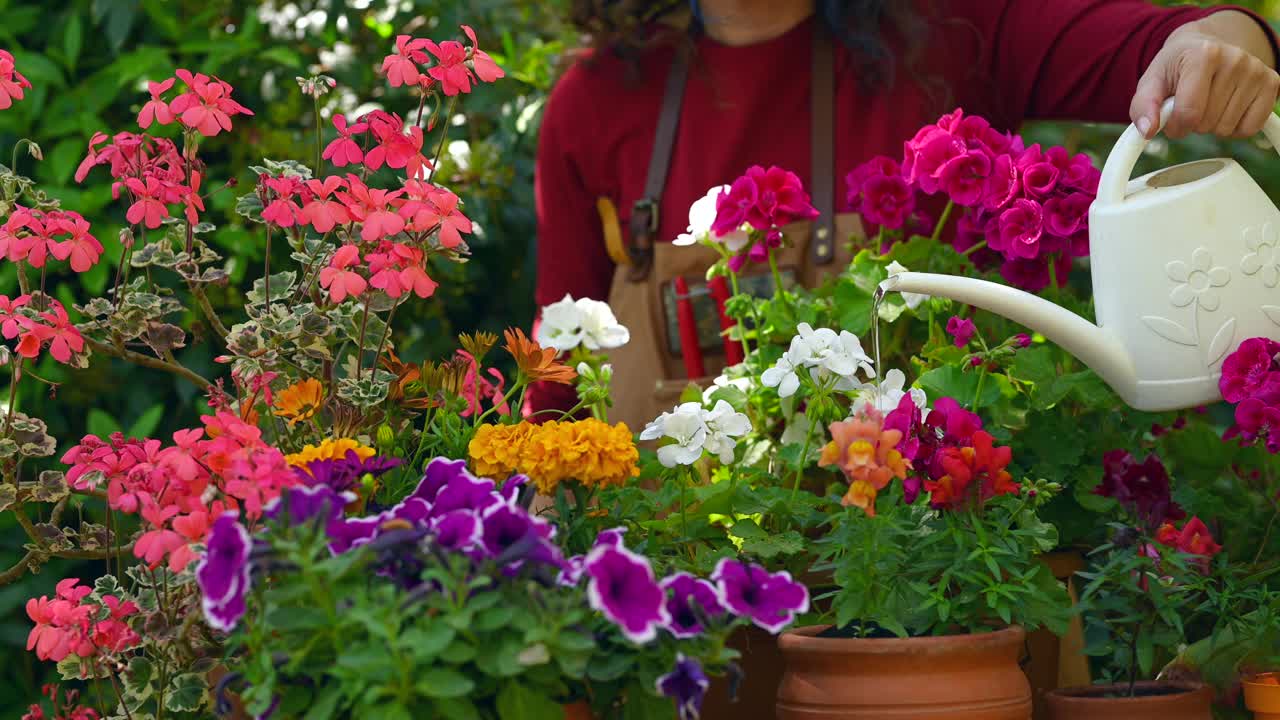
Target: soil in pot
<point x="1262" y="696"/>
<point x="956" y="677"/>
<point x="1149" y="701"/>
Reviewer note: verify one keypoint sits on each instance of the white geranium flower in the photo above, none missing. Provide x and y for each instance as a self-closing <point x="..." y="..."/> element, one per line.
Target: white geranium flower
<point x="783" y="373"/>
<point x="886" y="397"/>
<point x="723" y="381"/>
<point x="912" y="300"/>
<point x="723" y="425"/>
<point x="561" y="326"/>
<point x="600" y="329"/>
<point x="702" y="215"/>
<point x="686" y="426"/>
<point x="840" y="355"/>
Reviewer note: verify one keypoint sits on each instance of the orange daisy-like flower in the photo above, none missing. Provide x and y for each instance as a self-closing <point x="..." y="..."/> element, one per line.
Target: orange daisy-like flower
<point x="300" y="400"/>
<point x="535" y="361"/>
<point x="868" y="456"/>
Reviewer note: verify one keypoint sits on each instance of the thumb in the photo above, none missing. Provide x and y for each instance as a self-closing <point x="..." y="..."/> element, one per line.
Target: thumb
<point x="1153" y="90"/>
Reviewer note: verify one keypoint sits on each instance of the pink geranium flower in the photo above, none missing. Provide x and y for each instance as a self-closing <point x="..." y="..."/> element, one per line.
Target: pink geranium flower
<point x="322" y="211"/>
<point x="344" y="150"/>
<point x="964" y="177"/>
<point x="450" y="69"/>
<point x="148" y="207"/>
<point x="12" y="82"/>
<point x="156" y="109"/>
<point x="485" y="68"/>
<point x="401" y="67"/>
<point x="207" y="106"/>
<point x="961" y="330"/>
<point x="1021" y="227"/>
<point x="1251" y="371"/>
<point x="81" y="249"/>
<point x="340" y="278"/>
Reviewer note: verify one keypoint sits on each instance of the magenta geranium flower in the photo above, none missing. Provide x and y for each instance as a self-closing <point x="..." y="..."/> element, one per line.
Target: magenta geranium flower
<point x="961" y="330"/>
<point x="1255" y="419"/>
<point x="623" y="589"/>
<point x="964" y="177"/>
<point x="1142" y="488"/>
<point x="223" y="572"/>
<point x="690" y="601"/>
<point x="1251" y="371"/>
<point x="686" y="684"/>
<point x="1020" y="229"/>
<point x="770" y="600"/>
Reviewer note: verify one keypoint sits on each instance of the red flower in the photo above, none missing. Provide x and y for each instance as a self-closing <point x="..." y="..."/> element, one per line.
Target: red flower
<point x="207" y="106"/>
<point x="431" y="207"/>
<point x="321" y="212"/>
<point x="982" y="465"/>
<point x="395" y="148"/>
<point x="486" y="69"/>
<point x="12" y="83"/>
<point x="344" y="150"/>
<point x="156" y="109"/>
<point x="338" y="279"/>
<point x="401" y="67"/>
<point x="450" y="68"/>
<point x="283" y="210"/>
<point x="148" y="206"/>
<point x="81" y="248"/>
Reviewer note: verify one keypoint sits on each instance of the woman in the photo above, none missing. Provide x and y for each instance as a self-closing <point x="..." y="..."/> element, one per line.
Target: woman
<point x="639" y="129"/>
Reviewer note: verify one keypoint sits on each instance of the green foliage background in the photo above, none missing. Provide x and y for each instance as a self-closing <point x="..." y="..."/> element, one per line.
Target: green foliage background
<point x="88" y="61"/>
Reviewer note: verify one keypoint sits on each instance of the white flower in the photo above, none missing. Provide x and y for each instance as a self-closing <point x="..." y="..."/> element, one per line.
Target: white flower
<point x="723" y="381"/>
<point x="686" y="426"/>
<point x="912" y="300"/>
<point x="568" y="323"/>
<point x="783" y="373"/>
<point x="723" y="425"/>
<point x="840" y="355"/>
<point x="889" y="394"/>
<point x="702" y="215"/>
<point x="600" y="329"/>
<point x="561" y="326"/>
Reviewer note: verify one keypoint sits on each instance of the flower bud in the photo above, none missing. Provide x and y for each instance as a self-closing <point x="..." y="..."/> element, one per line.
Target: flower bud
<point x="35" y="150"/>
<point x="386" y="437"/>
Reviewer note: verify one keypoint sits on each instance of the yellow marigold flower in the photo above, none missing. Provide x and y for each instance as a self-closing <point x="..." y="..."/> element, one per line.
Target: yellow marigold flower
<point x="332" y="449"/>
<point x="300" y="400"/>
<point x="495" y="449"/>
<point x="589" y="451"/>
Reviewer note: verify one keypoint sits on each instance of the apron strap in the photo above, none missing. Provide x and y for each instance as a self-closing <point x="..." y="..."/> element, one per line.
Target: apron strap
<point x="822" y="164"/>
<point x="644" y="213"/>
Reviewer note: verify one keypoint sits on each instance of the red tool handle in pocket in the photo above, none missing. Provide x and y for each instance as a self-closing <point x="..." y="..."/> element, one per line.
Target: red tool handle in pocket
<point x="690" y="347"/>
<point x="720" y="293"/>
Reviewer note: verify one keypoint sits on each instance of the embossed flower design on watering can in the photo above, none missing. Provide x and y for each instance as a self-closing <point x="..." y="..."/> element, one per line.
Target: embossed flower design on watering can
<point x="1264" y="260"/>
<point x="1164" y="254"/>
<point x="1197" y="280"/>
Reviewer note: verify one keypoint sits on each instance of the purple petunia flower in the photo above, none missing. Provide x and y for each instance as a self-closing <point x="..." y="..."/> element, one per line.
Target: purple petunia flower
<point x="345" y="473"/>
<point x="458" y="530"/>
<point x="686" y="684"/>
<point x="438" y="474"/>
<point x="515" y="536"/>
<point x="223" y="572"/>
<point x="623" y="589"/>
<point x="510" y="490"/>
<point x="571" y="571"/>
<point x="465" y="491"/>
<point x="770" y="600"/>
<point x="347" y="533"/>
<point x="301" y="503"/>
<point x="612" y="536"/>
<point x="691" y="599"/>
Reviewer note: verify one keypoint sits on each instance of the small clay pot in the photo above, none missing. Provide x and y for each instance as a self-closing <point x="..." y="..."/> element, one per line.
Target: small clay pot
<point x="956" y="677"/>
<point x="1262" y="696"/>
<point x="1152" y="701"/>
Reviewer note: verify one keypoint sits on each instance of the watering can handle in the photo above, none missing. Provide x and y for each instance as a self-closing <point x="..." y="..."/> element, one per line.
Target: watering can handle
<point x="1119" y="166"/>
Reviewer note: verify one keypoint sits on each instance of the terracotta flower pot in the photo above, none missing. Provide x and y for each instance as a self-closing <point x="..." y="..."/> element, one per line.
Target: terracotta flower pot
<point x="956" y="677"/>
<point x="761" y="664"/>
<point x="578" y="711"/>
<point x="1058" y="661"/>
<point x="1262" y="696"/>
<point x="1154" y="701"/>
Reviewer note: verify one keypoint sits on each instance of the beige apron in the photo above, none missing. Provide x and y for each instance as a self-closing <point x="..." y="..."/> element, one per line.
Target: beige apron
<point x="649" y="372"/>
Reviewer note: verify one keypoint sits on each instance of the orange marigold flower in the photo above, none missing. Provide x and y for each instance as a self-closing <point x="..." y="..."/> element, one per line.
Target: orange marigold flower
<point x="300" y="400"/>
<point x="868" y="456"/>
<point x="495" y="449"/>
<point x="536" y="362"/>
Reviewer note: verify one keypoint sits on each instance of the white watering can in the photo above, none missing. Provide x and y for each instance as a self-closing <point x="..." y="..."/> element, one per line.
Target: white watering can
<point x="1186" y="266"/>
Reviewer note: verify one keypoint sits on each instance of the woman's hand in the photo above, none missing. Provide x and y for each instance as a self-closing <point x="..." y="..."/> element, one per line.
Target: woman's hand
<point x="1219" y="71"/>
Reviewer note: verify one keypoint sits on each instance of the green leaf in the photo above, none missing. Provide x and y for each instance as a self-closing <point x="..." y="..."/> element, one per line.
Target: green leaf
<point x="62" y="160"/>
<point x="787" y="543"/>
<point x="187" y="693"/>
<point x="102" y="424"/>
<point x="953" y="382"/>
<point x="72" y="38"/>
<point x="517" y="702"/>
<point x="325" y="704"/>
<point x="1146" y="651"/>
<point x="444" y="683"/>
<point x="147" y="422"/>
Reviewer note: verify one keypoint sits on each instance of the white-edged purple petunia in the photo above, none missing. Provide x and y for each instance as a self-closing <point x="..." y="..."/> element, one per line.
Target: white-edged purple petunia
<point x="347" y="533"/>
<point x="515" y="536"/>
<point x="770" y="600"/>
<point x="465" y="491"/>
<point x="223" y="572"/>
<point x="622" y="587"/>
<point x="460" y="530"/>
<point x="612" y="536"/>
<point x="437" y="474"/>
<point x="686" y="684"/>
<point x="301" y="503"/>
<point x="690" y="600"/>
<point x="571" y="571"/>
<point x="511" y="488"/>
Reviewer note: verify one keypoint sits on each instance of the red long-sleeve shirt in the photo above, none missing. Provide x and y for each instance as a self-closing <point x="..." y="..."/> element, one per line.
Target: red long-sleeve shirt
<point x="1008" y="60"/>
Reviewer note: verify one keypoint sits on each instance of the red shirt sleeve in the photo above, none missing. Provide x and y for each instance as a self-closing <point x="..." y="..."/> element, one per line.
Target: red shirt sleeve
<point x="1075" y="59"/>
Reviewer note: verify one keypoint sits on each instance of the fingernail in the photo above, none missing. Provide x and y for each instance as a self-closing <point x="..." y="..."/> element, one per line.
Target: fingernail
<point x="1144" y="125"/>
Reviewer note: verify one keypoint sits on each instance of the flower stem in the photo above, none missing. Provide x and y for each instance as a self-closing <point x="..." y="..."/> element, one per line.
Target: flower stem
<point x="444" y="133"/>
<point x="385" y="331"/>
<point x="364" y="322"/>
<point x="319" y="137"/>
<point x="982" y="376"/>
<point x="13" y="402"/>
<point x="942" y="221"/>
<point x="804" y="454"/>
<point x="266" y="277"/>
<point x="969" y="251"/>
<point x="778" y="289"/>
<point x="733" y="283"/>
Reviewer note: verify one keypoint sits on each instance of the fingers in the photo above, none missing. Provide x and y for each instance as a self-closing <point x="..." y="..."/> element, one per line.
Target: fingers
<point x="1194" y="71"/>
<point x="1218" y="88"/>
<point x="1257" y="115"/>
<point x="1152" y="91"/>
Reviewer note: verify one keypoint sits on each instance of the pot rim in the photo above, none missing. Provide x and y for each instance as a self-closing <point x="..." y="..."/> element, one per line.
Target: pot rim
<point x="1252" y="680"/>
<point x="1089" y="693"/>
<point x="804" y="639"/>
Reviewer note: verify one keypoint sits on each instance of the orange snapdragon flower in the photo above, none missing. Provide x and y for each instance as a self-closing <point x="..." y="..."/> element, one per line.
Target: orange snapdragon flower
<point x="868" y="456"/>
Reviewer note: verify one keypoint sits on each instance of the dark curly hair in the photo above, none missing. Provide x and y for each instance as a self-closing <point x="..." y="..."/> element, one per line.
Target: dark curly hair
<point x="868" y="28"/>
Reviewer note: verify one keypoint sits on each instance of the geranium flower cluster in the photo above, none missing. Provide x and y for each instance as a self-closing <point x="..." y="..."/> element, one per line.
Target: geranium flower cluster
<point x="151" y="171"/>
<point x="66" y="707"/>
<point x="455" y="67"/>
<point x="1251" y="380"/>
<point x="1025" y="207"/>
<point x="759" y="203"/>
<point x="12" y="82"/>
<point x="180" y="490"/>
<point x="830" y="358"/>
<point x="590" y="452"/>
<point x="568" y="324"/>
<point x="36" y="330"/>
<point x="31" y="236"/>
<point x="206" y="107"/>
<point x="1142" y="488"/>
<point x="690" y="430"/>
<point x="74" y="623"/>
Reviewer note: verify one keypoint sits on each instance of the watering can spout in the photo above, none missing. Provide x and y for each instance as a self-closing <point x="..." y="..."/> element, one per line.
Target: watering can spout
<point x="1094" y="346"/>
